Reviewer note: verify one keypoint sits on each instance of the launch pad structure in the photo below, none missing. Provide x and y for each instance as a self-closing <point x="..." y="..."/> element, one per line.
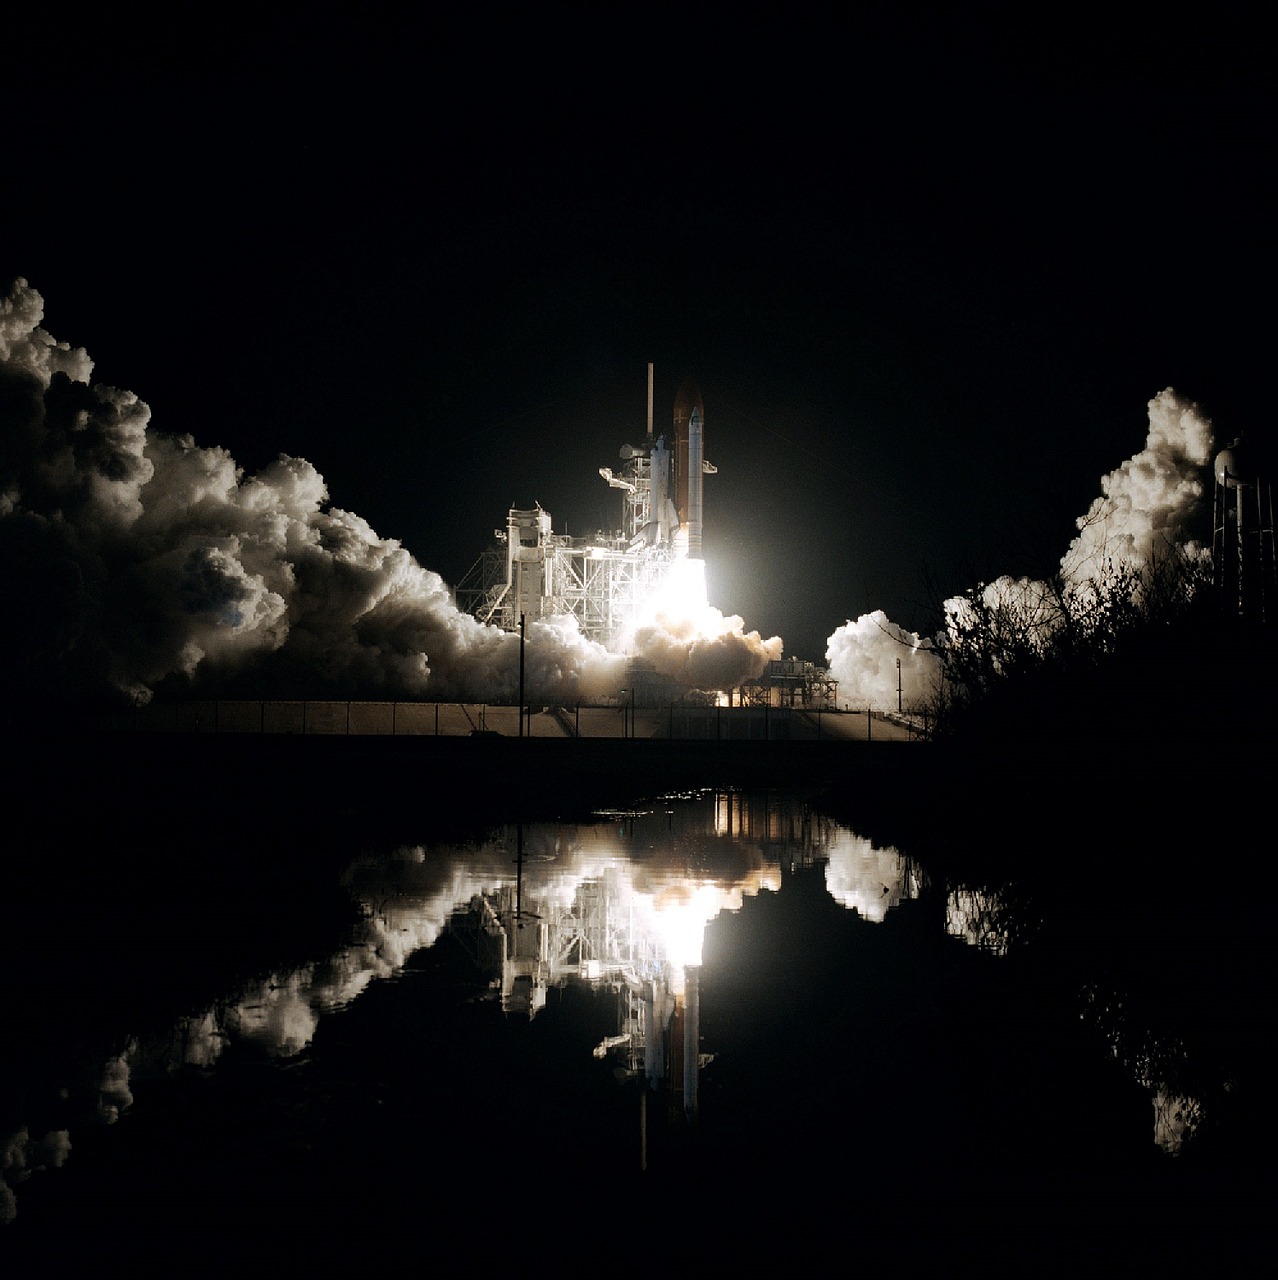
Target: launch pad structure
<point x="530" y="940"/>
<point x="602" y="581"/>
<point x="606" y="581"/>
<point x="531" y="572"/>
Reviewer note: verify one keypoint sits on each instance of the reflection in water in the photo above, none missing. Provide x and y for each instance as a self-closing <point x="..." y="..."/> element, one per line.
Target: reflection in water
<point x="979" y="917"/>
<point x="1152" y="1061"/>
<point x="867" y="880"/>
<point x="620" y="905"/>
<point x="21" y="1156"/>
<point x="994" y="919"/>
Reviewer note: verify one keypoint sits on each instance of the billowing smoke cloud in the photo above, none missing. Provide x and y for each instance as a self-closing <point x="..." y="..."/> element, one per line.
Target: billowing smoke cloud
<point x="1149" y="503"/>
<point x="865" y="879"/>
<point x="1146" y="510"/>
<point x="133" y="559"/>
<point x="714" y="652"/>
<point x="21" y="1156"/>
<point x="863" y="657"/>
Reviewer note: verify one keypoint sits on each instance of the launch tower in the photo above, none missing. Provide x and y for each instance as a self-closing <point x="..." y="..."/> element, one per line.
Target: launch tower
<point x="1243" y="534"/>
<point x="603" y="581"/>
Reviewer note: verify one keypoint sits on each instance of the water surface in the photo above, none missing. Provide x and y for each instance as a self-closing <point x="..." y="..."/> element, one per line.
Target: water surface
<point x="723" y="1019"/>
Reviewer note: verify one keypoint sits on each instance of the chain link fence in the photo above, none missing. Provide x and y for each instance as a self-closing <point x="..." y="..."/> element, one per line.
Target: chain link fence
<point x="463" y="719"/>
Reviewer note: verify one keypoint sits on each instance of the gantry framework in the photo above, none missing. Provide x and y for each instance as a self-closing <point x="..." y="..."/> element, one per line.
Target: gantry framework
<point x="595" y="938"/>
<point x="531" y="572"/>
<point x="528" y="942"/>
<point x="791" y="682"/>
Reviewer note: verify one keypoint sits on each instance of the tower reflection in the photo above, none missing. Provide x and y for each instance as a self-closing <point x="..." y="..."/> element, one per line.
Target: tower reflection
<point x="616" y="911"/>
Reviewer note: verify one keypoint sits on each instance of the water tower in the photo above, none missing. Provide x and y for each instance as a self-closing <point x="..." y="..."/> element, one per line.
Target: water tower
<point x="1243" y="533"/>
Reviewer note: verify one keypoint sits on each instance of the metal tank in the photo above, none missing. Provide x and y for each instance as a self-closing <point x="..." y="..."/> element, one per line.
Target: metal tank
<point x="1243" y="563"/>
<point x="690" y="468"/>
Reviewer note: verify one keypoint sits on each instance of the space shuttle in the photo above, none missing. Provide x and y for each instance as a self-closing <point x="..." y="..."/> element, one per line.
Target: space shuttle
<point x="690" y="469"/>
<point x="664" y="484"/>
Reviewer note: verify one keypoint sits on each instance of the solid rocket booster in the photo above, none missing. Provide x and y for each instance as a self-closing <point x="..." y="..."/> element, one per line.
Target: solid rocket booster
<point x="649" y="401"/>
<point x="696" y="484"/>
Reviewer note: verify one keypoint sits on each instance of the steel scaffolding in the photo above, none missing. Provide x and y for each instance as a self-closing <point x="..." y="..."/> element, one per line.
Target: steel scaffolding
<point x="603" y="581"/>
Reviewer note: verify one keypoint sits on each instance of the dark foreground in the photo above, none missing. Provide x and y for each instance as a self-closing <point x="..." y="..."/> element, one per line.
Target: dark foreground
<point x="881" y="1094"/>
<point x="325" y="780"/>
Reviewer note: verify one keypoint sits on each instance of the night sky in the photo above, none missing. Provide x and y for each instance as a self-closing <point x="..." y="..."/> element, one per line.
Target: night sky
<point x="927" y="283"/>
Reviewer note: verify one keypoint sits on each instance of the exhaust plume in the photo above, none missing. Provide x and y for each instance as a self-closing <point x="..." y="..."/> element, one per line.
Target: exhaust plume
<point x="1147" y="509"/>
<point x="138" y="560"/>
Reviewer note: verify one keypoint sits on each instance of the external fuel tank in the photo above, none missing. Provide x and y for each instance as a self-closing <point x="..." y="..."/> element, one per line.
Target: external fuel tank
<point x="689" y="466"/>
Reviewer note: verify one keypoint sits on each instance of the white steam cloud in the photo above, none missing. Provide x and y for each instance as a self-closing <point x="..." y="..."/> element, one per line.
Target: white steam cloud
<point x="1147" y="505"/>
<point x="863" y="657"/>
<point x="1145" y="511"/>
<point x="137" y="558"/>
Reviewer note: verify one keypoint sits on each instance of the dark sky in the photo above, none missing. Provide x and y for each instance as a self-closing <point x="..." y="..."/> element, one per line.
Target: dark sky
<point x="927" y="281"/>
